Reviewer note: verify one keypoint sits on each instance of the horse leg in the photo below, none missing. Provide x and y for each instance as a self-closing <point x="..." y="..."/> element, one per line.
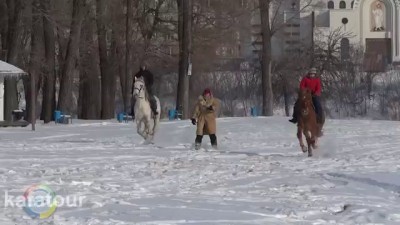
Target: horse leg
<point x="300" y="137"/>
<point x="156" y="123"/>
<point x="139" y="128"/>
<point x="155" y="119"/>
<point x="309" y="141"/>
<point x="315" y="143"/>
<point x="319" y="130"/>
<point x="314" y="137"/>
<point x="147" y="129"/>
<point x="315" y="134"/>
<point x="152" y="126"/>
<point x="152" y="130"/>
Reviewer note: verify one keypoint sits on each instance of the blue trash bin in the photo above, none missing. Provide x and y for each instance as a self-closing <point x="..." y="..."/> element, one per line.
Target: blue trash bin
<point x="254" y="111"/>
<point x="171" y="114"/>
<point x="120" y="117"/>
<point x="57" y="116"/>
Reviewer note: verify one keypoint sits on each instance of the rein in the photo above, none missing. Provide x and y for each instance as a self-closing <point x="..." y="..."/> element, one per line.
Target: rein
<point x="306" y="105"/>
<point x="139" y="91"/>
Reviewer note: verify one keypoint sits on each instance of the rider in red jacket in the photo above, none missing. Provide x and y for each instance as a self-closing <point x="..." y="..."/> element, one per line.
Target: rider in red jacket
<point x="312" y="82"/>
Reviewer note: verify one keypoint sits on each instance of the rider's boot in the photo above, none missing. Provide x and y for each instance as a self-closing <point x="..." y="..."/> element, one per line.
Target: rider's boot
<point x="295" y="112"/>
<point x="153" y="106"/>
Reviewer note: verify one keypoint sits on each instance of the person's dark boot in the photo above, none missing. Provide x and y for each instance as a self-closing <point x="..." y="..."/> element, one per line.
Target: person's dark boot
<point x="213" y="139"/>
<point x="294" y="118"/>
<point x="197" y="142"/>
<point x="133" y="114"/>
<point x="294" y="115"/>
<point x="320" y="118"/>
<point x="153" y="106"/>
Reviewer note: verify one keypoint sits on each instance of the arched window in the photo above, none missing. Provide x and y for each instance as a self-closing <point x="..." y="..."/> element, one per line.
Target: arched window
<point x="331" y="5"/>
<point x="342" y="5"/>
<point x="352" y="4"/>
<point x="345" y="49"/>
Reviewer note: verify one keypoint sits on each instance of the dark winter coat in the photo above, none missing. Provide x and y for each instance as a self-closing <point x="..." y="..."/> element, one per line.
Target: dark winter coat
<point x="148" y="77"/>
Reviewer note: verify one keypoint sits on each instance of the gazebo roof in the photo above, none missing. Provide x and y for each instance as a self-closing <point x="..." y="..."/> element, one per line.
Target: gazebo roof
<point x="7" y="69"/>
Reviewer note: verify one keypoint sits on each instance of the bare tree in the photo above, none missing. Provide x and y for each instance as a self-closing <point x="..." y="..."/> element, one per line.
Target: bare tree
<point x="36" y="56"/>
<point x="89" y="103"/>
<point x="266" y="61"/>
<point x="125" y="77"/>
<point x="389" y="94"/>
<point x="185" y="9"/>
<point x="15" y="33"/>
<point x="286" y="73"/>
<point x="271" y="22"/>
<point x="49" y="78"/>
<point x="107" y="77"/>
<point x="65" y="101"/>
<point x="347" y="86"/>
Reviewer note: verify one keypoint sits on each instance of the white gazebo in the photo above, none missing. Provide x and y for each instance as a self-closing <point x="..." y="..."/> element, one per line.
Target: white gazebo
<point x="8" y="70"/>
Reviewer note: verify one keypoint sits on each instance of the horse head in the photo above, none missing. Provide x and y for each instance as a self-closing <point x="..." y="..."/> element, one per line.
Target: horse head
<point x="306" y="104"/>
<point x="139" y="90"/>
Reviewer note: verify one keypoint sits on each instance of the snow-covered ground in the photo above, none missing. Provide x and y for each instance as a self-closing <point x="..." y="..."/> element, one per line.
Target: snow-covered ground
<point x="259" y="175"/>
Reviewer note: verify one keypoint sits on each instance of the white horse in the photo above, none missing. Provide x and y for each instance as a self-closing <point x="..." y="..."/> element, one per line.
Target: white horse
<point x="143" y="113"/>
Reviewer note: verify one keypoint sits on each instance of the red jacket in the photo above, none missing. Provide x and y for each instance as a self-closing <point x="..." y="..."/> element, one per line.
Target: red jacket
<point x="314" y="84"/>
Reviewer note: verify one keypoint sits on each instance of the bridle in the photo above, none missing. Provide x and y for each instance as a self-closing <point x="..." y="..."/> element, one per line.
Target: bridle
<point x="139" y="90"/>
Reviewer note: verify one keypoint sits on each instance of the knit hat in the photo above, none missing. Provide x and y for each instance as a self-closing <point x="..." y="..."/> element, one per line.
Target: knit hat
<point x="313" y="70"/>
<point x="207" y="91"/>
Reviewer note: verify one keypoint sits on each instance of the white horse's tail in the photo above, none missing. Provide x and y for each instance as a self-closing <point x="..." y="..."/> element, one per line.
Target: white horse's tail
<point x="157" y="118"/>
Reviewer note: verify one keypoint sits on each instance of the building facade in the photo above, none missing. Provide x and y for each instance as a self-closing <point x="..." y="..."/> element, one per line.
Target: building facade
<point x="373" y="25"/>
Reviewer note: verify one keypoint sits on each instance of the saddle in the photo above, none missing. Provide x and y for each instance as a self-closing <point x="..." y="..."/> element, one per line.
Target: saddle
<point x="319" y="115"/>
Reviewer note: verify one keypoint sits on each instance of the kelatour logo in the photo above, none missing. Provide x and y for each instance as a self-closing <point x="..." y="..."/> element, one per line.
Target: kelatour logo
<point x="40" y="201"/>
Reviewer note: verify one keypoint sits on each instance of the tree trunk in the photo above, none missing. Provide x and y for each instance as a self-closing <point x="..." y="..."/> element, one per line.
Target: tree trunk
<point x="65" y="101"/>
<point x="286" y="96"/>
<point x="89" y="83"/>
<point x="89" y="91"/>
<point x="125" y="78"/>
<point x="107" y="78"/>
<point x="36" y="58"/>
<point x="15" y="9"/>
<point x="185" y="48"/>
<point x="49" y="79"/>
<point x="3" y="28"/>
<point x="266" y="58"/>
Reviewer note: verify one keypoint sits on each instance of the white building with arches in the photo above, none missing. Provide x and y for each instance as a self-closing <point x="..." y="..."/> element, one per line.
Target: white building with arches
<point x="372" y="24"/>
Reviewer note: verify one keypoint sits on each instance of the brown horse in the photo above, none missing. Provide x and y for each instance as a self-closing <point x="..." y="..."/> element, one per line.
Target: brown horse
<point x="307" y="122"/>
